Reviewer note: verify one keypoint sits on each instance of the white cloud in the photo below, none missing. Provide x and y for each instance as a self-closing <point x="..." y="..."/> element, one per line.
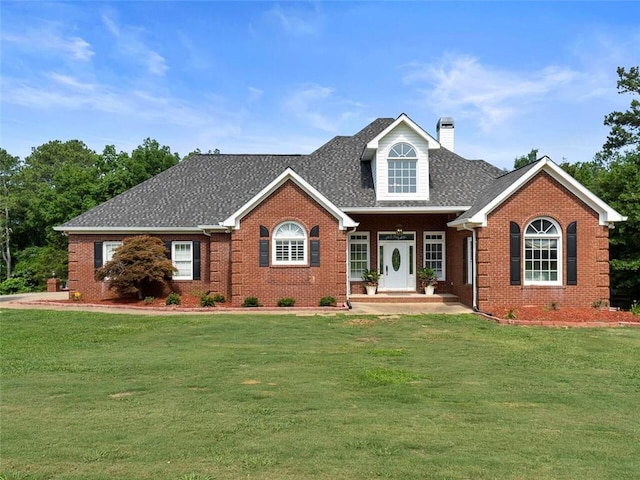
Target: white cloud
<point x="304" y="104"/>
<point x="492" y="95"/>
<point x="296" y="22"/>
<point x="130" y="43"/>
<point x="48" y="40"/>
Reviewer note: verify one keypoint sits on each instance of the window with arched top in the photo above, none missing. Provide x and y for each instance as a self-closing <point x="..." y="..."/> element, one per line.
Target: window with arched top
<point x="289" y="244"/>
<point x="542" y="253"/>
<point x="402" y="161"/>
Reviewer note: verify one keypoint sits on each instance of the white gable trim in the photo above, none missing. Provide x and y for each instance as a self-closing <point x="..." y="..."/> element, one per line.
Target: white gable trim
<point x="607" y="215"/>
<point x="372" y="146"/>
<point x="343" y="219"/>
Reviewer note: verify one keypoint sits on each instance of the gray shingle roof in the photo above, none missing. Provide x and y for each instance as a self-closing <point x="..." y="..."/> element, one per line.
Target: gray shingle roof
<point x="206" y="189"/>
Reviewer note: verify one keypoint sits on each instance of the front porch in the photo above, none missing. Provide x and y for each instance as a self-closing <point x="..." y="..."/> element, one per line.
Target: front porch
<point x="403" y="297"/>
<point x="406" y="303"/>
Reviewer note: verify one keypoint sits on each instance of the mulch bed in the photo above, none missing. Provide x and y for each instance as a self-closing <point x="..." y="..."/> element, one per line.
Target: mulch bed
<point x="566" y="317"/>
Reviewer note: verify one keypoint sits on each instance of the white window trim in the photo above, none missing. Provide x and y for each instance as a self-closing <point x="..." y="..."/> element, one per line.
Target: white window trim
<point x="107" y="250"/>
<point x="275" y="239"/>
<point x="442" y="242"/>
<point x="361" y="241"/>
<point x="559" y="259"/>
<point x="413" y="159"/>
<point x="176" y="275"/>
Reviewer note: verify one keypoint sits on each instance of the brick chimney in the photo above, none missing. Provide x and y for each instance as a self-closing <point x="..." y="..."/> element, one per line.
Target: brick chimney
<point x="445" y="132"/>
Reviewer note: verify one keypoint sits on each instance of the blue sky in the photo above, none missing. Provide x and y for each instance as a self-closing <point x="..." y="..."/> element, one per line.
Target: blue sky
<point x="285" y="77"/>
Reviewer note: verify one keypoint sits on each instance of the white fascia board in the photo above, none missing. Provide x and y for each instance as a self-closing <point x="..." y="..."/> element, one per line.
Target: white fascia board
<point x="372" y="146"/>
<point x="127" y="230"/>
<point x="452" y="209"/>
<point x="606" y="214"/>
<point x="344" y="220"/>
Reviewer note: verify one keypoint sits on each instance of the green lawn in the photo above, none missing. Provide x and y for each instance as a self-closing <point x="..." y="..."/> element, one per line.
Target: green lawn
<point x="100" y="396"/>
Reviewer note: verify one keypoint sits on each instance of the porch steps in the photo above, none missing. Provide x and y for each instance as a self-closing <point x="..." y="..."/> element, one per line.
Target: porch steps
<point x="403" y="297"/>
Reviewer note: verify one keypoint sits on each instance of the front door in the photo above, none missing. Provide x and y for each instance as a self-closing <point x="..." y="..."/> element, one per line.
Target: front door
<point x="396" y="266"/>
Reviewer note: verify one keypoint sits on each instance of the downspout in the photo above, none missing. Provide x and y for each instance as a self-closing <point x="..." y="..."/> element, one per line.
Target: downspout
<point x="474" y="289"/>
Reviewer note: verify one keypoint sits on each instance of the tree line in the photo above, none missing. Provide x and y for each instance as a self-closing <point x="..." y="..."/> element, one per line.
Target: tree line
<point x="56" y="182"/>
<point x="614" y="176"/>
<point x="60" y="180"/>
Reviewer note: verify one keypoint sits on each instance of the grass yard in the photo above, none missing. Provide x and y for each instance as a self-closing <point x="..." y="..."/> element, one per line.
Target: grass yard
<point x="101" y="396"/>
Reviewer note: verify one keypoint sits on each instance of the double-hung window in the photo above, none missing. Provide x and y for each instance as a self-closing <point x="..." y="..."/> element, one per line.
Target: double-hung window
<point x="107" y="250"/>
<point x="289" y="244"/>
<point x="358" y="255"/>
<point x="434" y="253"/>
<point x="182" y="256"/>
<point x="542" y="253"/>
<point x="402" y="176"/>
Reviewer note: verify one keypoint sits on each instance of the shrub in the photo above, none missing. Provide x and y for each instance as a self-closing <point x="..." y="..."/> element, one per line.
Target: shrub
<point x="287" y="302"/>
<point x="14" y="285"/>
<point x="149" y="300"/>
<point x="511" y="314"/>
<point x="327" y="302"/>
<point x="219" y="298"/>
<point x="207" y="301"/>
<point x="250" y="302"/>
<point x="173" y="299"/>
<point x="635" y="308"/>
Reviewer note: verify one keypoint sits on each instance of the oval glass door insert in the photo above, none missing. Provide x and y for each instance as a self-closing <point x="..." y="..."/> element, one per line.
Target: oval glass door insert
<point x="395" y="259"/>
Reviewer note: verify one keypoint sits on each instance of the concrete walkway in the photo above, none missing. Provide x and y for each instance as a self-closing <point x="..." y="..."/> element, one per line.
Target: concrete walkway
<point x="56" y="301"/>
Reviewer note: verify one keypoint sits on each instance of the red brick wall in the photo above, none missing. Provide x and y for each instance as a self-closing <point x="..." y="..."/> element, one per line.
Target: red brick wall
<point x="81" y="266"/>
<point x="542" y="197"/>
<point x="306" y="284"/>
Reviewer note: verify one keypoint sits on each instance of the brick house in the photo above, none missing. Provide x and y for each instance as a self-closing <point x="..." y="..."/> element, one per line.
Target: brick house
<point x="391" y="197"/>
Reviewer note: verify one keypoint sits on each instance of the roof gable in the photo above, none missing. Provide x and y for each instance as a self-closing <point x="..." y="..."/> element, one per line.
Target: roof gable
<point x="505" y="186"/>
<point x="403" y="119"/>
<point x="289" y="174"/>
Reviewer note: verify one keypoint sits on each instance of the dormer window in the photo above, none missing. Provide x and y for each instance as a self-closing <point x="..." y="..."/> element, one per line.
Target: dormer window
<point x="402" y="162"/>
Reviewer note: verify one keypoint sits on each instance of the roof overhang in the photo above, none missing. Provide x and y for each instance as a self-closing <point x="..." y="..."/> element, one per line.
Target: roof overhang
<point x="369" y="150"/>
<point x="132" y="230"/>
<point x="344" y="220"/>
<point x="426" y="210"/>
<point x="606" y="214"/>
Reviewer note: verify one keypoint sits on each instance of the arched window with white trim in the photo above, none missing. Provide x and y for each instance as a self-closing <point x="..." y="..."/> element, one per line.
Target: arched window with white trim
<point x="542" y="253"/>
<point x="402" y="171"/>
<point x="289" y="244"/>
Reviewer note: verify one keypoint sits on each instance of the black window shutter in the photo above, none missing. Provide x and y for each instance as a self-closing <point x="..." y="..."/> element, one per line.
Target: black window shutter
<point x="464" y="261"/>
<point x="572" y="254"/>
<point x="315" y="253"/>
<point x="315" y="232"/>
<point x="196" y="260"/>
<point x="264" y="231"/>
<point x="97" y="254"/>
<point x="514" y="253"/>
<point x="167" y="246"/>
<point x="264" y="253"/>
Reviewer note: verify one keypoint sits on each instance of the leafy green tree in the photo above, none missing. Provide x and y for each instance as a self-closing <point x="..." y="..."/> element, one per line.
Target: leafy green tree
<point x="147" y="160"/>
<point x="9" y="168"/>
<point x="57" y="182"/>
<point x="625" y="126"/>
<point x="618" y="183"/>
<point x="525" y="160"/>
<point x="138" y="267"/>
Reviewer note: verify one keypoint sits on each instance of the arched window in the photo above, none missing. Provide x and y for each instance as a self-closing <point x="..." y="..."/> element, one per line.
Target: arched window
<point x="542" y="253"/>
<point x="402" y="162"/>
<point x="289" y="244"/>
